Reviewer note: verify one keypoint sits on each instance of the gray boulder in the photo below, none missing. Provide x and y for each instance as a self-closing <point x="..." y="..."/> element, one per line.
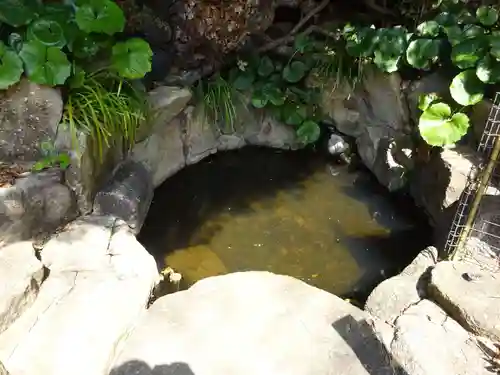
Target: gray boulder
<point x="29" y="115"/>
<point x="36" y="203"/>
<point x="253" y="322"/>
<point x="470" y="295"/>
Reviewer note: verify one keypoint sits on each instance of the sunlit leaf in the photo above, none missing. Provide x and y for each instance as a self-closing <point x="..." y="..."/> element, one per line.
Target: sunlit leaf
<point x="438" y="127"/>
<point x="466" y="89"/>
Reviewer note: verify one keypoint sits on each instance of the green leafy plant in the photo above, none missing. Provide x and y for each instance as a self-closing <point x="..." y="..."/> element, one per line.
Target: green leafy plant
<point x="220" y="101"/>
<point x="278" y="86"/>
<point x="288" y="87"/>
<point x="49" y="40"/>
<point x="72" y="43"/>
<point x="51" y="158"/>
<point x="463" y="41"/>
<point x="107" y="108"/>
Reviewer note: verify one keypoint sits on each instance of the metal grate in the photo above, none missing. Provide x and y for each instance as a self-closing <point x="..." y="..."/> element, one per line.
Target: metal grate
<point x="475" y="232"/>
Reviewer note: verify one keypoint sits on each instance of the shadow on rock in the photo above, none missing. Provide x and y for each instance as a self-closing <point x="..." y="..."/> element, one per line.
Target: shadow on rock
<point x="363" y="339"/>
<point x="142" y="368"/>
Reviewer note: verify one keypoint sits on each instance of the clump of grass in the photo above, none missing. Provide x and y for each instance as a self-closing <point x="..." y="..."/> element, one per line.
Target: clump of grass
<point x="219" y="101"/>
<point x="335" y="65"/>
<point x="108" y="109"/>
<point x="340" y="69"/>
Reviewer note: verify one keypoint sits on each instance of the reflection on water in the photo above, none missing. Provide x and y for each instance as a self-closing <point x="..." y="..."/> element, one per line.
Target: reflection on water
<point x="286" y="212"/>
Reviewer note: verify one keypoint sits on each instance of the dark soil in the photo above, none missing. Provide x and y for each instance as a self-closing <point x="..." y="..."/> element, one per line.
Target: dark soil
<point x="9" y="173"/>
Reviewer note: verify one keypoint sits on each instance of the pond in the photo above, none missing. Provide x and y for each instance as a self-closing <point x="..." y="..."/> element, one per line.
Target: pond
<point x="288" y="212"/>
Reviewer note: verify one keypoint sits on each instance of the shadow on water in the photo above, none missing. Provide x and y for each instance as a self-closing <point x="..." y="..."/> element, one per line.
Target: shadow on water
<point x="285" y="212"/>
<point x="230" y="181"/>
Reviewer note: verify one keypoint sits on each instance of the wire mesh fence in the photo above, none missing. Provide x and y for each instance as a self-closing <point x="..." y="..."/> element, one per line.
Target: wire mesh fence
<point x="475" y="231"/>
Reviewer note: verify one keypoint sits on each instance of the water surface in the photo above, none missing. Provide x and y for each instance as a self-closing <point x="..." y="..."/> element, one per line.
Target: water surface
<point x="291" y="213"/>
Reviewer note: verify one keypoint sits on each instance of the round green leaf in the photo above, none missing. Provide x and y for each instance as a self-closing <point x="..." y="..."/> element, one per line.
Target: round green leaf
<point x="273" y="95"/>
<point x="425" y="100"/>
<point x="488" y="70"/>
<point x="18" y="12"/>
<point x="487" y="15"/>
<point x="494" y="40"/>
<point x="438" y="128"/>
<point x="244" y="80"/>
<point x="464" y="17"/>
<point x="466" y="89"/>
<point x="446" y="19"/>
<point x="308" y="132"/>
<point x="392" y="42"/>
<point x="258" y="99"/>
<point x="421" y="53"/>
<point x="473" y="31"/>
<point x="47" y="32"/>
<point x="361" y="43"/>
<point x="467" y="53"/>
<point x="454" y="34"/>
<point x="85" y="46"/>
<point x="294" y="72"/>
<point x="100" y="16"/>
<point x="45" y="65"/>
<point x="385" y="62"/>
<point x="266" y="67"/>
<point x="11" y="67"/>
<point x="294" y="114"/>
<point x="303" y="43"/>
<point x="132" y="59"/>
<point x="429" y="28"/>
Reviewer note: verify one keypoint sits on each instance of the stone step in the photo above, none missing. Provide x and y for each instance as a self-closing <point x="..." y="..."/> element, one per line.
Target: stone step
<point x="99" y="283"/>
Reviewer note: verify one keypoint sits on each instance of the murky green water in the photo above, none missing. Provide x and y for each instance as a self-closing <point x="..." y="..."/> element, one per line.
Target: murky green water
<point x="285" y="212"/>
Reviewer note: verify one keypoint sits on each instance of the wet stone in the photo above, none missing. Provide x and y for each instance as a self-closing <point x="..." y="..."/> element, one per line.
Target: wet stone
<point x="127" y="195"/>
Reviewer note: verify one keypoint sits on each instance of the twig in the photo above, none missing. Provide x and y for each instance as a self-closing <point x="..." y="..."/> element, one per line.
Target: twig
<point x="379" y="9"/>
<point x="275" y="43"/>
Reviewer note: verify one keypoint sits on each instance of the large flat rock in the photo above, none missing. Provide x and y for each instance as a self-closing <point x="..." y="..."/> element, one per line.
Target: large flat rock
<point x="21" y="275"/>
<point x="253" y="323"/>
<point x="470" y="295"/>
<point x="99" y="283"/>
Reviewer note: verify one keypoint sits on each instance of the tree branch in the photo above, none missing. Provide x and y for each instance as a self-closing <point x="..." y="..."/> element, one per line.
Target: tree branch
<point x="286" y="39"/>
